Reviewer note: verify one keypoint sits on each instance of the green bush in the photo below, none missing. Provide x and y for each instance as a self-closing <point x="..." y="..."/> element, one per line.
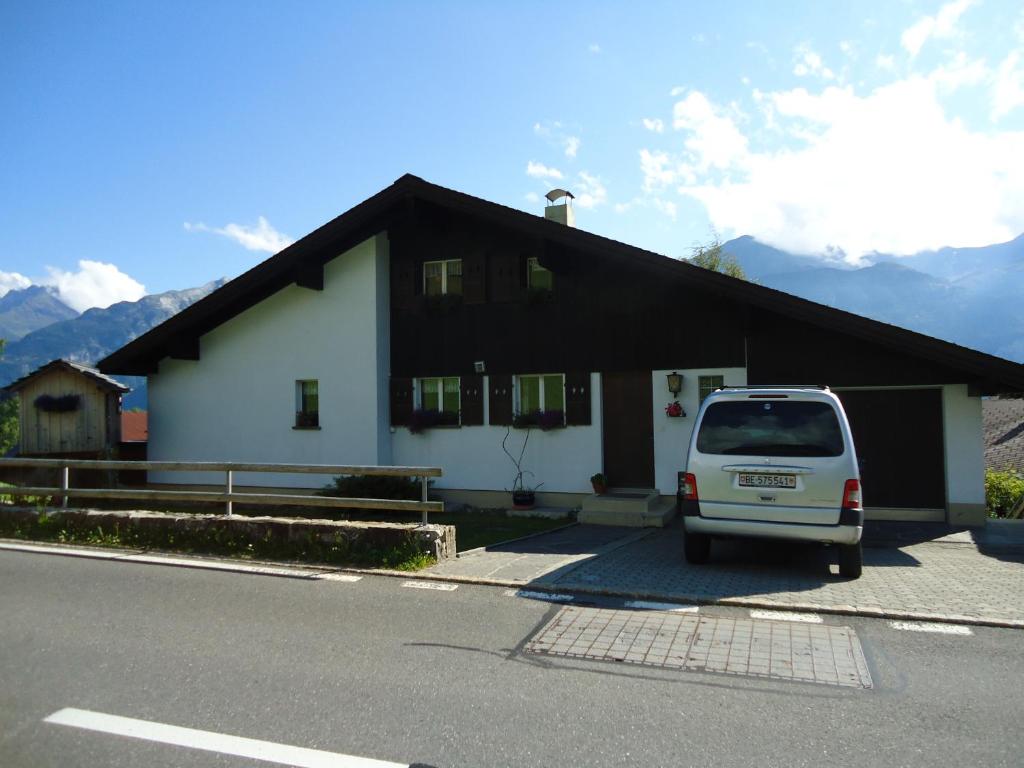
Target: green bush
<point x="373" y="487"/>
<point x="1002" y="491"/>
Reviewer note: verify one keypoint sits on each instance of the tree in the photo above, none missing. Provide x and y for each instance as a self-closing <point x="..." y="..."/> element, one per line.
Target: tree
<point x="8" y="418"/>
<point x="712" y="256"/>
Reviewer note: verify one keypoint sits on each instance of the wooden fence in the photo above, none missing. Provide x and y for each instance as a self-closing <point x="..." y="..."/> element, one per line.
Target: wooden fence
<point x="228" y="496"/>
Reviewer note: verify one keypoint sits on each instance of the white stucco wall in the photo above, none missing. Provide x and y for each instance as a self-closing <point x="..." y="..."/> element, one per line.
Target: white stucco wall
<point x="472" y="458"/>
<point x="237" y="403"/>
<point x="672" y="434"/>
<point x="965" y="448"/>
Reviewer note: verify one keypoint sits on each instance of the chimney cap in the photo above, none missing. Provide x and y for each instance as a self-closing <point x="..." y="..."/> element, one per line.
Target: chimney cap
<point x="556" y="193"/>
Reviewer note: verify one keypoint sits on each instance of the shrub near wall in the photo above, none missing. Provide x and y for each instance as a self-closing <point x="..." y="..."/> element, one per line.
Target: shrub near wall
<point x="1003" y="490"/>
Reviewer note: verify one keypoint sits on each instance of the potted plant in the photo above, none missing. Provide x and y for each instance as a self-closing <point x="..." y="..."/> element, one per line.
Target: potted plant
<point x="523" y="496"/>
<point x="600" y="483"/>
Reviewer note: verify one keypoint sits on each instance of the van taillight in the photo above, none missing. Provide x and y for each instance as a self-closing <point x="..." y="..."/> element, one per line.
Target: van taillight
<point x="851" y="495"/>
<point x="688" y="487"/>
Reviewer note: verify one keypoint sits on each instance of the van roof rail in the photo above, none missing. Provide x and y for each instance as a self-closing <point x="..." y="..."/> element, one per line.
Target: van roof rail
<point x="822" y="387"/>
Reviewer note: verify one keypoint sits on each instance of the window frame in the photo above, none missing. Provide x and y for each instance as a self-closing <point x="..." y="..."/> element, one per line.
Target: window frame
<point x="533" y="265"/>
<point x="444" y="276"/>
<point x="524" y="419"/>
<point x="708" y="380"/>
<point x="418" y="391"/>
<point x="306" y="419"/>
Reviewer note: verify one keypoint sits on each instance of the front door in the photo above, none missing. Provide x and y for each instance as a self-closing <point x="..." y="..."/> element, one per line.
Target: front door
<point x="628" y="419"/>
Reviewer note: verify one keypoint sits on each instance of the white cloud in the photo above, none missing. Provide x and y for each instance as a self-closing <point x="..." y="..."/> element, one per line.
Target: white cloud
<point x="886" y="171"/>
<point x="714" y="140"/>
<point x="590" y="191"/>
<point x="657" y="170"/>
<point x="532" y="197"/>
<point x="941" y="25"/>
<point x="655" y="124"/>
<point x="259" y="237"/>
<point x="885" y="62"/>
<point x="809" y="63"/>
<point x="594" y="48"/>
<point x="554" y="133"/>
<point x="540" y="171"/>
<point x="665" y="206"/>
<point x="1008" y="89"/>
<point x="95" y="284"/>
<point x="12" y="281"/>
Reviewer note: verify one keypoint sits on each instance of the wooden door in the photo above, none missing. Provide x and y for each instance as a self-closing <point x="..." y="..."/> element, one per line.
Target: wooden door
<point x="628" y="429"/>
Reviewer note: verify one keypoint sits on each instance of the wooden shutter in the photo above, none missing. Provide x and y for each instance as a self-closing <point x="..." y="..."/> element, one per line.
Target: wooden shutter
<point x="577" y="399"/>
<point x="474" y="282"/>
<point x="500" y="390"/>
<point x="472" y="400"/>
<point x="403" y="284"/>
<point x="507" y="276"/>
<point x="401" y="402"/>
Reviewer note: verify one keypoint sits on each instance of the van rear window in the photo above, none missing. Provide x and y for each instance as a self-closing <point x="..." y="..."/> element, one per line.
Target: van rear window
<point x="787" y="428"/>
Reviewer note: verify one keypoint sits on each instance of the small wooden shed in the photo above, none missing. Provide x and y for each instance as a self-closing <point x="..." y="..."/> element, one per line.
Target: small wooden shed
<point x="68" y="409"/>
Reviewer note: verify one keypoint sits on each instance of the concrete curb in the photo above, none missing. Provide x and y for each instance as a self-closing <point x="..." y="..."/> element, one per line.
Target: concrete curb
<point x="313" y="571"/>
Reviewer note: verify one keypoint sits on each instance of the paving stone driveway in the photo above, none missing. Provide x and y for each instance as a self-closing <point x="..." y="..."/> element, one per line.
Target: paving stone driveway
<point x="949" y="580"/>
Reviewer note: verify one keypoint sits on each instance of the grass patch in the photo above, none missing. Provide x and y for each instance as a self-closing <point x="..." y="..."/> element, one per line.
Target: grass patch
<point x="222" y="542"/>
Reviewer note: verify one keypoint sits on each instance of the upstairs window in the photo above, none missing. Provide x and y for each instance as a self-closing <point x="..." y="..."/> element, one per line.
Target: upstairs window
<point x="708" y="384"/>
<point x="307" y="403"/>
<point x="540" y="400"/>
<point x="537" y="277"/>
<point x="439" y="396"/>
<point x="442" y="278"/>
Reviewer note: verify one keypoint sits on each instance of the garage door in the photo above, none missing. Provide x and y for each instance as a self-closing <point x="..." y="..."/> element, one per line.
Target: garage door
<point x="898" y="434"/>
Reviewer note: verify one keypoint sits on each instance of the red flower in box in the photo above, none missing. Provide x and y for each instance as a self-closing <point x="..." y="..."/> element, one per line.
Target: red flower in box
<point x="674" y="409"/>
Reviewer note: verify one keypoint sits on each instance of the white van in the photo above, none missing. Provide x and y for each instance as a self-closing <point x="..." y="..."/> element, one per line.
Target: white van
<point x="775" y="462"/>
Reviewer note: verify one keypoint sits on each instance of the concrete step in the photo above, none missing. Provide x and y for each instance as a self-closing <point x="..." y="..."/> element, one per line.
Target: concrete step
<point x="636" y="507"/>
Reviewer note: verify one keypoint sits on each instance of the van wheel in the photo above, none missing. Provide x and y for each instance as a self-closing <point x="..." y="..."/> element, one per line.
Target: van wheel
<point x="851" y="558"/>
<point x="696" y="547"/>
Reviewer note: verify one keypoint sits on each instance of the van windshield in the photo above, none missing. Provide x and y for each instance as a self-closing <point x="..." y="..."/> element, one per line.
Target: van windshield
<point x="759" y="428"/>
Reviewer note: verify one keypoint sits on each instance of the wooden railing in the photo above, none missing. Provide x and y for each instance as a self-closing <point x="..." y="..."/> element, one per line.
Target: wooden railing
<point x="228" y="496"/>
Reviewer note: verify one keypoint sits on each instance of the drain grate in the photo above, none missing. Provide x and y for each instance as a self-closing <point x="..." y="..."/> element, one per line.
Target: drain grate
<point x="775" y="649"/>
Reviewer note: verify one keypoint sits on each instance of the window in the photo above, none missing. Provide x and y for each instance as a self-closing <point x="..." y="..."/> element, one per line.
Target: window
<point x="540" y="399"/>
<point x="307" y="403"/>
<point x="441" y="278"/>
<point x="759" y="428"/>
<point x="439" y="396"/>
<point x="537" y="277"/>
<point x="708" y="384"/>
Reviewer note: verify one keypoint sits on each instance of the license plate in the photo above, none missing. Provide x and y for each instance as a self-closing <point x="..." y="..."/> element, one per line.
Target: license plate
<point x="768" y="481"/>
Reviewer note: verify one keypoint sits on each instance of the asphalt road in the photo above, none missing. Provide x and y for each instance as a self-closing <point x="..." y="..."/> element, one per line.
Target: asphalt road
<point x="439" y="678"/>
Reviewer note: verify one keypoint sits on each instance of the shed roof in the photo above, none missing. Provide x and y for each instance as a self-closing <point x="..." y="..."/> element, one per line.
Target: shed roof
<point x="297" y="262"/>
<point x="101" y="379"/>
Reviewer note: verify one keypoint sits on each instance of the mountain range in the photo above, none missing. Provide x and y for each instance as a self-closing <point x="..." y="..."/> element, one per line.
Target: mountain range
<point x="90" y="336"/>
<point x="970" y="296"/>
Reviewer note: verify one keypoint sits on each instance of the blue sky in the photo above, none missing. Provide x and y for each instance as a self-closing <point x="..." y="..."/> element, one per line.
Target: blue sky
<point x="149" y="146"/>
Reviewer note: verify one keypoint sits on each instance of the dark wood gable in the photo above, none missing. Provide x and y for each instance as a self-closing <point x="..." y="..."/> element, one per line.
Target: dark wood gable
<point x="603" y="315"/>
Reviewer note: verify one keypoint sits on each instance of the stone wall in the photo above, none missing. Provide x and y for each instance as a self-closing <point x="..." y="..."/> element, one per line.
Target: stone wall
<point x="436" y="540"/>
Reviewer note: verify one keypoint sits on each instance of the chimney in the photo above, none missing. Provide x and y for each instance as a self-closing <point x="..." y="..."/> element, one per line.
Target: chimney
<point x="560" y="212"/>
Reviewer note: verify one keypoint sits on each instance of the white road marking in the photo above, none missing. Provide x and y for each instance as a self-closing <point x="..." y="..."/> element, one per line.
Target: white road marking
<point x="196" y="562"/>
<point x="645" y="605"/>
<point x="928" y="626"/>
<point x="210" y="741"/>
<point x="806" y="618"/>
<point x="551" y="597"/>
<point x="346" y="577"/>
<point x="439" y="585"/>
